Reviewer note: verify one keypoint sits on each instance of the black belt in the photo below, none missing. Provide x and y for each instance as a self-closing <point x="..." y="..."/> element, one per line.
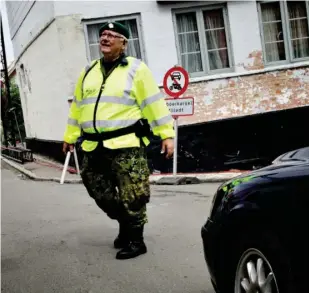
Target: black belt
<point x="141" y="129"/>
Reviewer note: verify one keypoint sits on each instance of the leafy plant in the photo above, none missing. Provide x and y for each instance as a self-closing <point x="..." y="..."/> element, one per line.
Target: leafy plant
<point x="15" y="127"/>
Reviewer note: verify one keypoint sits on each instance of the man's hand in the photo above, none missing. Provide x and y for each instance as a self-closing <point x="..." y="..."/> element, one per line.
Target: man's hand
<point x="67" y="146"/>
<point x="168" y="147"/>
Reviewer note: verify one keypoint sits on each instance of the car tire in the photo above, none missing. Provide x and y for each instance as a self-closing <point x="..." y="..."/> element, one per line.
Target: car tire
<point x="246" y="254"/>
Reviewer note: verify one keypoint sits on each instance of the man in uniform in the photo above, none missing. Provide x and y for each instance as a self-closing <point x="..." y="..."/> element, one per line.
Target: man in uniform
<point x="116" y="103"/>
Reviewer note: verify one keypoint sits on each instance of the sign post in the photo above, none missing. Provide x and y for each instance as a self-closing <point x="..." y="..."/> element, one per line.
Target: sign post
<point x="176" y="81"/>
<point x="179" y="107"/>
<point x="175" y="147"/>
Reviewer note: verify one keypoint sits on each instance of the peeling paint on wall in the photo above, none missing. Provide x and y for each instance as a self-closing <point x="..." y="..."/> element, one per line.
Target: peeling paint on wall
<point x="254" y="61"/>
<point x="234" y="97"/>
<point x="209" y="91"/>
<point x="301" y="75"/>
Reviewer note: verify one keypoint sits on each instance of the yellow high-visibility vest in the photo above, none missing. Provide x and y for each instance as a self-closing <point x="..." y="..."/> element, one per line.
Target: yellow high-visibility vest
<point x="130" y="93"/>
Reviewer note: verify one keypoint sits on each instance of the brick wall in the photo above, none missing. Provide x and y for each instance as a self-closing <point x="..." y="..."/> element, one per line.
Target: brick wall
<point x="247" y="95"/>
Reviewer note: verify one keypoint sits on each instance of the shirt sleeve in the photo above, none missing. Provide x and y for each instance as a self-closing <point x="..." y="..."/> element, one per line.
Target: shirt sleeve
<point x="73" y="130"/>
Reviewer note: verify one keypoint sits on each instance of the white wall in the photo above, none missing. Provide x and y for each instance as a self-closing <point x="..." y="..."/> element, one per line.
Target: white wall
<point x="17" y="11"/>
<point x="26" y="20"/>
<point x="52" y="65"/>
<point x="55" y="59"/>
<point x="245" y="32"/>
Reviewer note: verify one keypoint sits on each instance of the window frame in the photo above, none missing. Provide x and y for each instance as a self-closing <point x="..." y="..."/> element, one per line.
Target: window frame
<point x="199" y="10"/>
<point x="286" y="33"/>
<point x="137" y="17"/>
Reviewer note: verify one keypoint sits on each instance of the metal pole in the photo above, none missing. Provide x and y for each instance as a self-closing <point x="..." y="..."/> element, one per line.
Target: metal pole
<point x="175" y="147"/>
<point x="7" y="83"/>
<point x="3" y="101"/>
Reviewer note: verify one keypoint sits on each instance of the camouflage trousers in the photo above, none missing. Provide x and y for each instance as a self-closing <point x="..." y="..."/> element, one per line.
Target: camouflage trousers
<point x="118" y="181"/>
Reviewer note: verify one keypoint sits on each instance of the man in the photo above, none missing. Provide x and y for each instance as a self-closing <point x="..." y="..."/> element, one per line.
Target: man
<point x="116" y="99"/>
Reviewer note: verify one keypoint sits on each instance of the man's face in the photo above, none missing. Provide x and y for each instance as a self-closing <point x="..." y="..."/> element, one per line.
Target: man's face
<point x="111" y="43"/>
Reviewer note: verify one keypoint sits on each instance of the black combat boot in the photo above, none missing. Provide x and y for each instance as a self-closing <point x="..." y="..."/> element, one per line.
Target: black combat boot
<point x="136" y="245"/>
<point x="122" y="239"/>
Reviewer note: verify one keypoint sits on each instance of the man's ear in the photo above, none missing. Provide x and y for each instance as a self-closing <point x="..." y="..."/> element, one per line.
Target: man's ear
<point x="124" y="45"/>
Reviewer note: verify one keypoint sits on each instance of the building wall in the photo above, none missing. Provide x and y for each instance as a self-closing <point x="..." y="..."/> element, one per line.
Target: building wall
<point x="26" y="20"/>
<point x="54" y="59"/>
<point x="248" y="95"/>
<point x="51" y="67"/>
<point x="17" y="12"/>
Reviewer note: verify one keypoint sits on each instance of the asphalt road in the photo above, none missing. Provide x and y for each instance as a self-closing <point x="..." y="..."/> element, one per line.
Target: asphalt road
<point x="55" y="239"/>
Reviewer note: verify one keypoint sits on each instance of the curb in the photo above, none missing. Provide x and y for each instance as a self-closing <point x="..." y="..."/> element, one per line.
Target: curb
<point x="181" y="178"/>
<point x="34" y="177"/>
<point x="210" y="178"/>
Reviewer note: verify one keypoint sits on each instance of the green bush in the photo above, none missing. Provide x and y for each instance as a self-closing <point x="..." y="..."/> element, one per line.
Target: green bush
<point x="7" y="114"/>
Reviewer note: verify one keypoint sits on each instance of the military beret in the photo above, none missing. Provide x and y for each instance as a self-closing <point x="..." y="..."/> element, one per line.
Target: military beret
<point x="116" y="27"/>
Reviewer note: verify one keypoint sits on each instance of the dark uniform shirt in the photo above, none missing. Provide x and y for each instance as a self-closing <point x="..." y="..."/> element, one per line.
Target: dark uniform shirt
<point x="108" y="66"/>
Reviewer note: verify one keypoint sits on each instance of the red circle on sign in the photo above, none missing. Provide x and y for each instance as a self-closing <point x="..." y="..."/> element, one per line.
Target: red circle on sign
<point x="168" y="75"/>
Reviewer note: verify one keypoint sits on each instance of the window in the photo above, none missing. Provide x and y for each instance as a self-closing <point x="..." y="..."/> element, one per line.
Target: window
<point x="134" y="47"/>
<point x="285" y="31"/>
<point x="202" y="40"/>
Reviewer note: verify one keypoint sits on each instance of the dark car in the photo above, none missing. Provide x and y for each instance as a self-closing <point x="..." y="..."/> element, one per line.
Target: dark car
<point x="256" y="237"/>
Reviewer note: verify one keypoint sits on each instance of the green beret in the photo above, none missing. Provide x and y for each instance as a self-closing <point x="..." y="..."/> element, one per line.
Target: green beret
<point x="116" y="27"/>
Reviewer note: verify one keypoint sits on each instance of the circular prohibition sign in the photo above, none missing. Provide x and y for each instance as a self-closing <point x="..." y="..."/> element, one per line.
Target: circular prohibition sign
<point x="176" y="81"/>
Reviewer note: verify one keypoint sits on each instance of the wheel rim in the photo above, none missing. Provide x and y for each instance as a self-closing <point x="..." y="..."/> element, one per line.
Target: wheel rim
<point x="254" y="274"/>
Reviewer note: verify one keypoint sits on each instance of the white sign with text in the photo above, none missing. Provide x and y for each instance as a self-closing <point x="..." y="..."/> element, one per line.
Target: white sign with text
<point x="181" y="106"/>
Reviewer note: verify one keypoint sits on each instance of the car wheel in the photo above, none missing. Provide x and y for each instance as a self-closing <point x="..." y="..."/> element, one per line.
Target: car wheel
<point x="254" y="273"/>
<point x="256" y="263"/>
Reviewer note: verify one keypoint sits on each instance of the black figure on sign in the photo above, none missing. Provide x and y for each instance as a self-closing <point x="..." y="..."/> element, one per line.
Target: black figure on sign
<point x="175" y="85"/>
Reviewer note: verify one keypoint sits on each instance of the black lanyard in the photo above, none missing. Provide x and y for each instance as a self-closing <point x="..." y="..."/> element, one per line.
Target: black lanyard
<point x="100" y="92"/>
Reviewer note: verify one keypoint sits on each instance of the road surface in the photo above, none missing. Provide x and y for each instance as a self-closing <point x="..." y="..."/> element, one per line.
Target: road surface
<point x="55" y="239"/>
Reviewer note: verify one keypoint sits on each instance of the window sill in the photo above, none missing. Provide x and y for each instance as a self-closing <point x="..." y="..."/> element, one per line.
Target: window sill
<point x="246" y="73"/>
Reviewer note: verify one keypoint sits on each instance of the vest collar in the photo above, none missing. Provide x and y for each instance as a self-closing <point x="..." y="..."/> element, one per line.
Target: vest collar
<point x="122" y="60"/>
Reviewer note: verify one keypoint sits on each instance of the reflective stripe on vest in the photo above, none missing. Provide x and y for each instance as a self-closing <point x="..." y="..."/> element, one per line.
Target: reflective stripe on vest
<point x="151" y="100"/>
<point x="131" y="74"/>
<point x="107" y="99"/>
<point x="73" y="122"/>
<point x="161" y="121"/>
<point x="109" y="123"/>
